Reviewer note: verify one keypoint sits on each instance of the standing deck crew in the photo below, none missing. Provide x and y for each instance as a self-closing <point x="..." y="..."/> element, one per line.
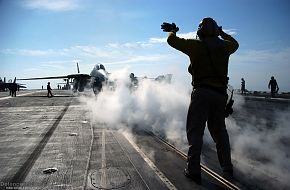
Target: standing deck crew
<point x="49" y="94"/>
<point x="243" y="86"/>
<point x="209" y="56"/>
<point x="273" y="85"/>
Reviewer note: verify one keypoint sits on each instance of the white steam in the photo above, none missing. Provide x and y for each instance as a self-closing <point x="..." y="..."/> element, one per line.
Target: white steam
<point x="156" y="106"/>
<point x="259" y="151"/>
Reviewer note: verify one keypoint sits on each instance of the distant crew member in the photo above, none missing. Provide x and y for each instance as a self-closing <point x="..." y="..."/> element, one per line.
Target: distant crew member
<point x="274" y="86"/>
<point x="243" y="86"/>
<point x="209" y="57"/>
<point x="133" y="82"/>
<point x="49" y="90"/>
<point x="13" y="90"/>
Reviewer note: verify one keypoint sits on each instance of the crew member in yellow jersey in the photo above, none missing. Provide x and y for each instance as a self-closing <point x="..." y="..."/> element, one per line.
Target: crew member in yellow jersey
<point x="209" y="57"/>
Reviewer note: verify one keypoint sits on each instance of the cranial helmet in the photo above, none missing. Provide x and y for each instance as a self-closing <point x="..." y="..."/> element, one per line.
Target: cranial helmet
<point x="102" y="67"/>
<point x="207" y="28"/>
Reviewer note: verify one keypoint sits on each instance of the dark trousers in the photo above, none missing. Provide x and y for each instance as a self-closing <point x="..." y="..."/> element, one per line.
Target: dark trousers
<point x="49" y="93"/>
<point x="273" y="91"/>
<point x="207" y="106"/>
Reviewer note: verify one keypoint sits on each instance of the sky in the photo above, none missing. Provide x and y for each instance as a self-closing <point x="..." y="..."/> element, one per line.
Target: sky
<point x="41" y="38"/>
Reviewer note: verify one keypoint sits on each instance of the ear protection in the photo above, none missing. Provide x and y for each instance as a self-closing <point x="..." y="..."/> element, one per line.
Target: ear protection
<point x="207" y="28"/>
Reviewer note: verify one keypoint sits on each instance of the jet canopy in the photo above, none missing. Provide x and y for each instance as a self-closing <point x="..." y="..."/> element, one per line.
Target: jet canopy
<point x="100" y="66"/>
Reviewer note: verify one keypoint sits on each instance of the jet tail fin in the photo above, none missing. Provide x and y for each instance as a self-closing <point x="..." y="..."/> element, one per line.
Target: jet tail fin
<point x="14" y="80"/>
<point x="78" y="68"/>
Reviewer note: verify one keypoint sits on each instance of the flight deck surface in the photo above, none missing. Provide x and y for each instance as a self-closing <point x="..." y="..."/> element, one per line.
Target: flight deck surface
<point x="50" y="143"/>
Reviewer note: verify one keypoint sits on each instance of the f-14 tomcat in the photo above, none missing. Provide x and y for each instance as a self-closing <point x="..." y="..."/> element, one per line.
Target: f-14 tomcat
<point x="95" y="79"/>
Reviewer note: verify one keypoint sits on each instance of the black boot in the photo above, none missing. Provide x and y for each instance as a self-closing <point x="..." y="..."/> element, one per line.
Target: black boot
<point x="228" y="174"/>
<point x="195" y="177"/>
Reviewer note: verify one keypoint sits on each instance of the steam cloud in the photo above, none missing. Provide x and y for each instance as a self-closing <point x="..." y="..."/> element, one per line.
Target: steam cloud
<point x="156" y="106"/>
<point x="261" y="153"/>
<point x="261" y="146"/>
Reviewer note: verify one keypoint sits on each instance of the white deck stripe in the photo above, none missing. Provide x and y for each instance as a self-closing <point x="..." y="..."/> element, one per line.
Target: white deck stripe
<point x="162" y="177"/>
<point x="103" y="176"/>
<point x="7" y="97"/>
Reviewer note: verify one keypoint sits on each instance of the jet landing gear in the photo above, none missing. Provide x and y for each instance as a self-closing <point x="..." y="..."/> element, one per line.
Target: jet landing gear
<point x="97" y="89"/>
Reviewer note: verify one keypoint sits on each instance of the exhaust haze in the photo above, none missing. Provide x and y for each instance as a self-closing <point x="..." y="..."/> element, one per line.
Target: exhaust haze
<point x="259" y="152"/>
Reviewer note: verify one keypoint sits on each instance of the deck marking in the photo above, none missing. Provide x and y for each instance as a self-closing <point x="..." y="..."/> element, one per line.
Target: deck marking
<point x="131" y="161"/>
<point x="103" y="176"/>
<point x="28" y="93"/>
<point x="89" y="158"/>
<point x="211" y="173"/>
<point x="22" y="172"/>
<point x="161" y="176"/>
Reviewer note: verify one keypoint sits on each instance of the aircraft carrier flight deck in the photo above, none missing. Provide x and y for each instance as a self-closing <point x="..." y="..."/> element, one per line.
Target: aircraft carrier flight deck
<point x="51" y="143"/>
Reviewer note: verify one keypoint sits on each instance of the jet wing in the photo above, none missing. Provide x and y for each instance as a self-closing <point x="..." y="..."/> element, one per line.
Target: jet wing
<point x="21" y="86"/>
<point x="86" y="76"/>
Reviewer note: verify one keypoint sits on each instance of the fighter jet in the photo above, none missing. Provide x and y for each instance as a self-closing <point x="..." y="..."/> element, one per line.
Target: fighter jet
<point x="95" y="79"/>
<point x="12" y="86"/>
